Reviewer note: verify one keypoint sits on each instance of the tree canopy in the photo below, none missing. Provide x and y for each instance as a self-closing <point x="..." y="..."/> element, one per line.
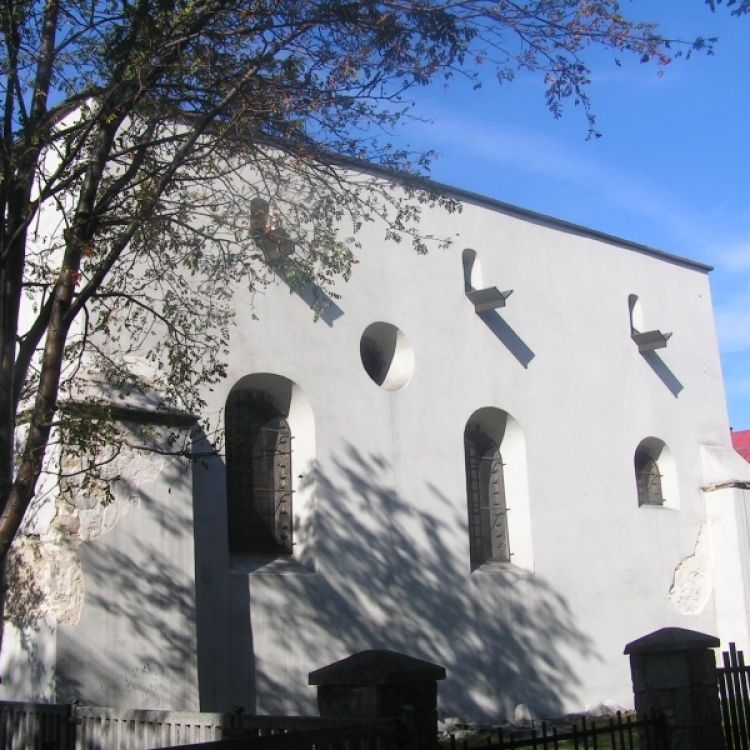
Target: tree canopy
<point x="739" y="7"/>
<point x="129" y="128"/>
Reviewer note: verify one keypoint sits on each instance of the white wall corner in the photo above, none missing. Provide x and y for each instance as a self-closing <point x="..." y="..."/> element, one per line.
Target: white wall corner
<point x="722" y="466"/>
<point x="728" y="518"/>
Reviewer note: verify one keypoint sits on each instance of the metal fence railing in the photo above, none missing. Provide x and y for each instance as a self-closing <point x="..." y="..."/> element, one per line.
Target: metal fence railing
<point x="734" y="694"/>
<point x="615" y="733"/>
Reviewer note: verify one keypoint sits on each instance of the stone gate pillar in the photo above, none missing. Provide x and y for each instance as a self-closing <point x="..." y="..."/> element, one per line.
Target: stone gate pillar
<point x="382" y="684"/>
<point x="674" y="673"/>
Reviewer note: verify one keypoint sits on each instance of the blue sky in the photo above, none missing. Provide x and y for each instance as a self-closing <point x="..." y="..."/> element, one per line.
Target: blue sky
<point x="671" y="170"/>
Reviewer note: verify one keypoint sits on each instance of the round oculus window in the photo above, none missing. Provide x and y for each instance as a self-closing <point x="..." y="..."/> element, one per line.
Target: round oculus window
<point x="387" y="356"/>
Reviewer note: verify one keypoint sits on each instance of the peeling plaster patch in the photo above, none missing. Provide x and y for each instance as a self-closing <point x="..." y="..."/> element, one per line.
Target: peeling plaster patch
<point x="40" y="513"/>
<point x="103" y="381"/>
<point x="691" y="585"/>
<point x="45" y="579"/>
<point x="103" y="518"/>
<point x="100" y="502"/>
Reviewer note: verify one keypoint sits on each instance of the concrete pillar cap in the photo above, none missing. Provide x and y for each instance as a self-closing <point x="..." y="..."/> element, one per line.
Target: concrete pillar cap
<point x="376" y="667"/>
<point x="672" y="639"/>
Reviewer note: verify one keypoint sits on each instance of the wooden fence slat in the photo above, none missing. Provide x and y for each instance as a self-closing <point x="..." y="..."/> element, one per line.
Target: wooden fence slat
<point x="734" y="694"/>
<point x="744" y="702"/>
<point x="736" y="682"/>
<point x="629" y="725"/>
<point x="725" y="713"/>
<point x="739" y="680"/>
<point x="27" y="725"/>
<point x="731" y="700"/>
<point x="73" y="727"/>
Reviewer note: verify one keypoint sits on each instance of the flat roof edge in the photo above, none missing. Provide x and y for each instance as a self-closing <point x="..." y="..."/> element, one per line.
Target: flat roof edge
<point x="468" y="196"/>
<point x="430" y="185"/>
<point x="572" y="227"/>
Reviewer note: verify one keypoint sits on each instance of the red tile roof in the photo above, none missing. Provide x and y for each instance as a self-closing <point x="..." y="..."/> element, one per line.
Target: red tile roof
<point x="741" y="443"/>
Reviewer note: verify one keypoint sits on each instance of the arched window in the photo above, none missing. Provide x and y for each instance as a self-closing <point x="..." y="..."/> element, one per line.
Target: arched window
<point x="647" y="474"/>
<point x="497" y="491"/>
<point x="259" y="475"/>
<point x="485" y="492"/>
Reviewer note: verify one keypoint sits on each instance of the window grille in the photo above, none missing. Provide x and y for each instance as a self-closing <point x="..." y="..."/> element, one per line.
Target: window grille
<point x="648" y="478"/>
<point x="485" y="490"/>
<point x="259" y="476"/>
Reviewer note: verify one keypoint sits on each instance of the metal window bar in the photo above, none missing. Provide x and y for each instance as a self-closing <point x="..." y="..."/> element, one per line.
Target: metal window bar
<point x="475" y="521"/>
<point x="649" y="483"/>
<point x="259" y="478"/>
<point x="487" y="514"/>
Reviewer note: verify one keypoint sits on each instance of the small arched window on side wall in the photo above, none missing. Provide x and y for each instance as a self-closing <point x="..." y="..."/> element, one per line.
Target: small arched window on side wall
<point x="259" y="475"/>
<point x="485" y="489"/>
<point x="648" y="477"/>
<point x="656" y="474"/>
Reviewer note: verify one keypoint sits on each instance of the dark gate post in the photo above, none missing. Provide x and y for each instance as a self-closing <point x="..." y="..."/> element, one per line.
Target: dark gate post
<point x="382" y="684"/>
<point x="674" y="673"/>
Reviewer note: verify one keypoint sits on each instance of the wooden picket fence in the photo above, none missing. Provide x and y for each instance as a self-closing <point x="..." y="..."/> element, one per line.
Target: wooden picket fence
<point x="383" y="734"/>
<point x="71" y="727"/>
<point x="38" y="726"/>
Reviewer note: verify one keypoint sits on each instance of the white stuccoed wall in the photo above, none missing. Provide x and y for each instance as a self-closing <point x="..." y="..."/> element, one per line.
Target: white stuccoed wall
<point x="381" y="500"/>
<point x="114" y="586"/>
<point x="727" y="494"/>
<point x="134" y="645"/>
<point x="391" y="562"/>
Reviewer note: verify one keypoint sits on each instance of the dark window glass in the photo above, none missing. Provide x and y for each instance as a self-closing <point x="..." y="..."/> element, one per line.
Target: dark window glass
<point x="373" y="359"/>
<point x="259" y="476"/>
<point x="485" y="491"/>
